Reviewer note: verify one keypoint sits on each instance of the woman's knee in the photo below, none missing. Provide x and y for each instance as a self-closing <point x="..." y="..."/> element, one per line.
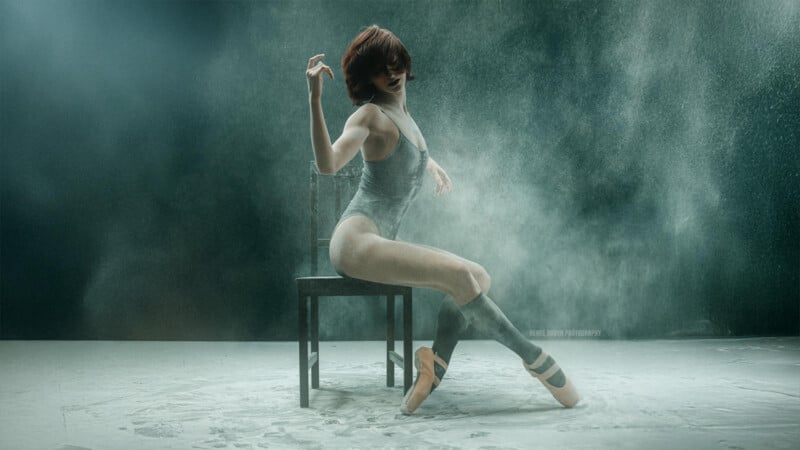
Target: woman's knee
<point x="464" y="282"/>
<point x="483" y="278"/>
<point x="480" y="275"/>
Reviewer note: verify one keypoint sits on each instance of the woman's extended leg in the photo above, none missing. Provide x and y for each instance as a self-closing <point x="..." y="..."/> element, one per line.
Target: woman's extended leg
<point x="357" y="250"/>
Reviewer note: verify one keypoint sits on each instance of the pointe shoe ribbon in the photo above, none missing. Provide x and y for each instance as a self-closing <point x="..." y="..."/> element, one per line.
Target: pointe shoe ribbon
<point x="567" y="395"/>
<point x="424" y="359"/>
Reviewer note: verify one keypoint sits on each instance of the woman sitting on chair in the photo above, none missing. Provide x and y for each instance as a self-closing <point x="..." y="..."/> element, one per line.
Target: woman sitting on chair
<point x="376" y="68"/>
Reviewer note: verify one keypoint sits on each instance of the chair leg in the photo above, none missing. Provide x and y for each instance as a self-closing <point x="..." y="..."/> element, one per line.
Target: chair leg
<point x="389" y="340"/>
<point x="315" y="341"/>
<point x="407" y="342"/>
<point x="302" y="338"/>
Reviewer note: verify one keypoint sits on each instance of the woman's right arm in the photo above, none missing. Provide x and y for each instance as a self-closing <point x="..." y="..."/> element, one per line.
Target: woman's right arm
<point x="332" y="157"/>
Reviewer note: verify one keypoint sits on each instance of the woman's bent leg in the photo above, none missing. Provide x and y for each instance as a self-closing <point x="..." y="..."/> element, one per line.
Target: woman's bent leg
<point x="488" y="319"/>
<point x="480" y="274"/>
<point x="450" y="322"/>
<point x="359" y="252"/>
<point x="449" y="326"/>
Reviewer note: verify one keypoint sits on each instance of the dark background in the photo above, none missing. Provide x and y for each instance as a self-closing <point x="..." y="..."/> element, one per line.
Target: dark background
<point x="626" y="167"/>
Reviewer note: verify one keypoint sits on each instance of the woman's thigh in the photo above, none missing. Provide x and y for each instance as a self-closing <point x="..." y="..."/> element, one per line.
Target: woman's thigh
<point x="477" y="270"/>
<point x="357" y="250"/>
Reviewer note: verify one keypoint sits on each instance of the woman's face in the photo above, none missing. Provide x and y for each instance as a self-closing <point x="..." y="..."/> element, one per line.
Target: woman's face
<point x="390" y="80"/>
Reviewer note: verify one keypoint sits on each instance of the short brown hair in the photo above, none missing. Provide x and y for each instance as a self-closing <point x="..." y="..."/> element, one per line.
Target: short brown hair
<point x="370" y="53"/>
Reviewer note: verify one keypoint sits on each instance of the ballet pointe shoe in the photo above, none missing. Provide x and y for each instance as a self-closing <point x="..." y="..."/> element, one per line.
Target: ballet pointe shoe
<point x="424" y="359"/>
<point x="567" y="395"/>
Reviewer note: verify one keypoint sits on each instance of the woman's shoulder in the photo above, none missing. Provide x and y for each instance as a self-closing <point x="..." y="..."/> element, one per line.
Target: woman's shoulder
<point x="370" y="115"/>
<point x="370" y="110"/>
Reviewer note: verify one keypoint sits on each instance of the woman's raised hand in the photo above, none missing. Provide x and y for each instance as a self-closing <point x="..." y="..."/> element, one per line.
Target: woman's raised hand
<point x="314" y="75"/>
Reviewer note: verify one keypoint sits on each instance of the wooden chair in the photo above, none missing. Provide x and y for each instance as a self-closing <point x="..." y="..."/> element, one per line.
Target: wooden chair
<point x="314" y="287"/>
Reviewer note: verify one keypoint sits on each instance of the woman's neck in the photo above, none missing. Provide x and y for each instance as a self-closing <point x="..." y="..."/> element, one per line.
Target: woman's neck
<point x="395" y="103"/>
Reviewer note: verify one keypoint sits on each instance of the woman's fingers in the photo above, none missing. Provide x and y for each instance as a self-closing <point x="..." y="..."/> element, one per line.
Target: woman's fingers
<point x="323" y="68"/>
<point x="314" y="59"/>
<point x="315" y="66"/>
<point x="314" y="71"/>
<point x="444" y="176"/>
<point x="445" y="183"/>
<point x="440" y="184"/>
<point x="447" y="186"/>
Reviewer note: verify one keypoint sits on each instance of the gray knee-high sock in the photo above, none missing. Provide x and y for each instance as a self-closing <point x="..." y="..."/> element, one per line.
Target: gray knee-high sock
<point x="485" y="316"/>
<point x="451" y="323"/>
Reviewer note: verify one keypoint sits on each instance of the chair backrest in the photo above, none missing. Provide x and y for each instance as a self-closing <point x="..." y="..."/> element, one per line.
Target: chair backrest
<point x="345" y="182"/>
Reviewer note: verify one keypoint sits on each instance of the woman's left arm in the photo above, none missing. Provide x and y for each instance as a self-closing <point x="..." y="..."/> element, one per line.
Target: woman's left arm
<point x="443" y="183"/>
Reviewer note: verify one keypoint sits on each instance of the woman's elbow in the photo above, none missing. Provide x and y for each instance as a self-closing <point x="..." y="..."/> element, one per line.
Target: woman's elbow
<point x="329" y="169"/>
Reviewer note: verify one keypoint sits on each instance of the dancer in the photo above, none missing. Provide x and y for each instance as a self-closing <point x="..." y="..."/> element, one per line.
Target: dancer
<point x="376" y="69"/>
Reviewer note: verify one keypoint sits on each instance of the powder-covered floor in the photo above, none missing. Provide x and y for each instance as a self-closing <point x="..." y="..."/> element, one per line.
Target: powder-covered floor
<point x="663" y="394"/>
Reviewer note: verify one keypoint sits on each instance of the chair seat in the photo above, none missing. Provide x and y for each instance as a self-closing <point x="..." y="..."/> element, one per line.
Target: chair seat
<point x="336" y="286"/>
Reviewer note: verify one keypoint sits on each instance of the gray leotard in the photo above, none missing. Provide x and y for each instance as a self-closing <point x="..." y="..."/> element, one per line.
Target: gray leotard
<point x="388" y="186"/>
